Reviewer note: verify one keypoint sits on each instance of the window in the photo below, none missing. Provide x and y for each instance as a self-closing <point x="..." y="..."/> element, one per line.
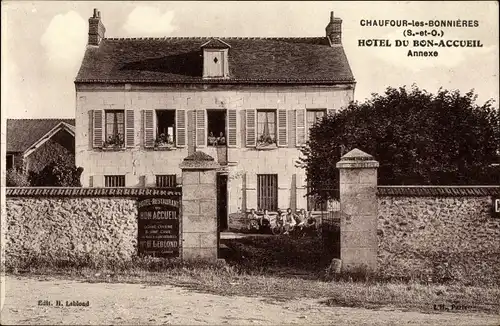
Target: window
<point x="115" y="128"/>
<point x="266" y="127"/>
<point x="215" y="63"/>
<point x="166" y="181"/>
<point x="267" y="192"/>
<point x="10" y="161"/>
<point x="165" y="127"/>
<point x="313" y="116"/>
<point x="114" y="181"/>
<point x="216" y="128"/>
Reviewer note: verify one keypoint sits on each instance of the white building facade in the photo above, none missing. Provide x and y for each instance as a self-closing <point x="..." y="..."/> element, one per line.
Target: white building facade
<point x="143" y="105"/>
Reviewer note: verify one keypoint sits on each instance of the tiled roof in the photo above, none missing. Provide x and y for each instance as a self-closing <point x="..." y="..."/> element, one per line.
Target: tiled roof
<point x="251" y="60"/>
<point x="438" y="191"/>
<point x="91" y="192"/>
<point x="22" y="133"/>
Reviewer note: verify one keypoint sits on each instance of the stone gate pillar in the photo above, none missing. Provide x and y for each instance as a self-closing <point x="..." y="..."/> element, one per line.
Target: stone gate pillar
<point x="199" y="207"/>
<point x="358" y="208"/>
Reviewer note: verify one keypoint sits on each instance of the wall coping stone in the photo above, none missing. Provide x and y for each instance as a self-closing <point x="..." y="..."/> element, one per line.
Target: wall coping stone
<point x="199" y="161"/>
<point x="90" y="192"/>
<point x="438" y="191"/>
<point x="199" y="156"/>
<point x="357" y="159"/>
<point x="356" y="155"/>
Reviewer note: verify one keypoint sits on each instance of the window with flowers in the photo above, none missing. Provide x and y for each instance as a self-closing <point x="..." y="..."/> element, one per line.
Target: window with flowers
<point x="165" y="128"/>
<point x="115" y="128"/>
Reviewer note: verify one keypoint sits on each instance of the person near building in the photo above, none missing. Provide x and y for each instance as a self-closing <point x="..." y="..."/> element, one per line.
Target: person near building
<point x="212" y="141"/>
<point x="289" y="221"/>
<point x="253" y="221"/>
<point x="221" y="140"/>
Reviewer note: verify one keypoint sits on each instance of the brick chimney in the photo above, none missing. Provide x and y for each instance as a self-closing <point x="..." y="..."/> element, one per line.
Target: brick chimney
<point x="334" y="30"/>
<point x="96" y="28"/>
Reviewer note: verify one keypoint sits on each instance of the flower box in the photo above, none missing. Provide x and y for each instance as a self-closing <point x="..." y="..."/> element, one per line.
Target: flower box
<point x="164" y="147"/>
<point x="112" y="148"/>
<point x="266" y="146"/>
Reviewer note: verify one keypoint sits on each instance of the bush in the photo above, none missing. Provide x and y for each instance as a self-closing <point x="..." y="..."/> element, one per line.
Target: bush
<point x="15" y="178"/>
<point x="59" y="173"/>
<point x="259" y="254"/>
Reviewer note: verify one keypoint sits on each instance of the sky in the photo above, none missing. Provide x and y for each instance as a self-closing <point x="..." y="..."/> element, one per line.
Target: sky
<point x="43" y="42"/>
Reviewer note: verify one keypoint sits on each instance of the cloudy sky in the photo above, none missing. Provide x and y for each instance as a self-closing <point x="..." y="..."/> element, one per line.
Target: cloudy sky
<point x="43" y="42"/>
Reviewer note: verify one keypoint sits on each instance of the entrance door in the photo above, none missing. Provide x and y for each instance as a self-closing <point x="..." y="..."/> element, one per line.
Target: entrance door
<point x="222" y="201"/>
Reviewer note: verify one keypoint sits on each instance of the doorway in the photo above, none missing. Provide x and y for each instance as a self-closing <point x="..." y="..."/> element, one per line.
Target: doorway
<point x="216" y="124"/>
<point x="222" y="202"/>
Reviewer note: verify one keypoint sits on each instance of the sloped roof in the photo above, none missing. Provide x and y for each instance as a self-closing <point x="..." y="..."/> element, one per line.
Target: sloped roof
<point x="179" y="60"/>
<point x="22" y="133"/>
<point x="215" y="43"/>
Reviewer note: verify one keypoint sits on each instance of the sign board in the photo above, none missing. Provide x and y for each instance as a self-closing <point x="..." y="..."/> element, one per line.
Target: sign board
<point x="496" y="206"/>
<point x="158" y="227"/>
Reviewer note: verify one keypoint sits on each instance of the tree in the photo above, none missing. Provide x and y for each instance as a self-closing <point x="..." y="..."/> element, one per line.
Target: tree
<point x="58" y="173"/>
<point x="417" y="137"/>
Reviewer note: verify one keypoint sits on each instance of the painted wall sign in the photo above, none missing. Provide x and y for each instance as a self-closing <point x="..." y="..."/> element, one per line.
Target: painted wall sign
<point x="158" y="229"/>
<point x="496" y="206"/>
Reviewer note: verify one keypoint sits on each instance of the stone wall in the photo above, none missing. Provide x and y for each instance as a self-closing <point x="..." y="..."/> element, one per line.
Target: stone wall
<point x="72" y="225"/>
<point x="70" y="229"/>
<point x="438" y="237"/>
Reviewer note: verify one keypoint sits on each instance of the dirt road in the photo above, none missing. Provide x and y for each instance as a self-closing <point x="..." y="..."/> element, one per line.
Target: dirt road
<point x="156" y="305"/>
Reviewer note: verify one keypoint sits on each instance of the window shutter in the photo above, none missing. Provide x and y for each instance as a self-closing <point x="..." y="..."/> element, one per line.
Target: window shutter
<point x="180" y="128"/>
<point x="201" y="138"/>
<point x="282" y="128"/>
<point x="231" y="128"/>
<point x="291" y="128"/>
<point x="148" y="128"/>
<point x="97" y="129"/>
<point x="250" y="127"/>
<point x="129" y="128"/>
<point x="300" y="122"/>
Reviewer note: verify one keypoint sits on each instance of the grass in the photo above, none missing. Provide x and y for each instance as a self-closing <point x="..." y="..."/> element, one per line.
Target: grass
<point x="277" y="269"/>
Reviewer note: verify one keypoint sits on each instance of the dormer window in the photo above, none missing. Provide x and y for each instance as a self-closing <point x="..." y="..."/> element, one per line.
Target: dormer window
<point x="215" y="55"/>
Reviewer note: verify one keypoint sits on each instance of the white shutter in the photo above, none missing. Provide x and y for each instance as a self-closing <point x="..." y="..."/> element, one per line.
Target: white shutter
<point x="282" y="128"/>
<point x="180" y="128"/>
<point x="251" y="190"/>
<point x="201" y="137"/>
<point x="97" y="128"/>
<point x="232" y="133"/>
<point x="251" y="128"/>
<point x="148" y="128"/>
<point x="129" y="128"/>
<point x="300" y="123"/>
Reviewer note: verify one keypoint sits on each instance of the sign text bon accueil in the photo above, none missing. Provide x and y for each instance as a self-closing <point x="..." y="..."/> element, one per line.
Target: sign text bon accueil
<point x="158" y="228"/>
